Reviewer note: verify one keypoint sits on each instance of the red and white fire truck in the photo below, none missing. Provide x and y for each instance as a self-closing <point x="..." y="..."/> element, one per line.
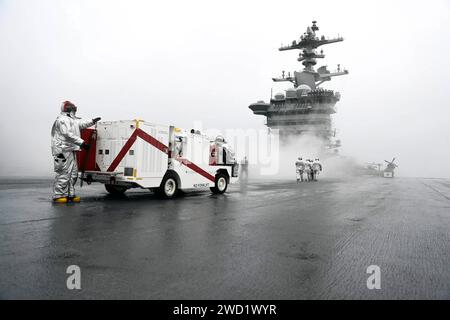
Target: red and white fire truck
<point x="138" y="154"/>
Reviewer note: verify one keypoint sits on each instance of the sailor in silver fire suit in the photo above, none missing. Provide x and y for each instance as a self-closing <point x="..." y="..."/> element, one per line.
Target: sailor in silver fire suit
<point x="66" y="141"/>
<point x="299" y="169"/>
<point x="317" y="168"/>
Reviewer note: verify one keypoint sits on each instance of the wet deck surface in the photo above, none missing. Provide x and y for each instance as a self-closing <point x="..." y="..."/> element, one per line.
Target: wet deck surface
<point x="272" y="240"/>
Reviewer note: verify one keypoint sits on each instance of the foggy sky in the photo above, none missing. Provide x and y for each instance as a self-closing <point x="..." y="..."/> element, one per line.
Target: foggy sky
<point x="177" y="62"/>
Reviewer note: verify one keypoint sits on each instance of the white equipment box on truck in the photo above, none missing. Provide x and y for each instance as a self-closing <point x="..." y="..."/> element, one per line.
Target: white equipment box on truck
<point x="135" y="153"/>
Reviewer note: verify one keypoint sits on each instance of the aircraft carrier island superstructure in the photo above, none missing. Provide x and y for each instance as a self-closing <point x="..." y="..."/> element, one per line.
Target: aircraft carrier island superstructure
<point x="306" y="108"/>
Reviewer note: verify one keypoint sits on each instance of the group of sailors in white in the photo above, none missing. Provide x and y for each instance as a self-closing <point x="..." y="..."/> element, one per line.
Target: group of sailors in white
<point x="309" y="167"/>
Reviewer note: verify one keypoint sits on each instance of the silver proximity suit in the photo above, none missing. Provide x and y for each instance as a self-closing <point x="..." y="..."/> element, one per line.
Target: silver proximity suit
<point x="66" y="141"/>
<point x="317" y="167"/>
<point x="299" y="169"/>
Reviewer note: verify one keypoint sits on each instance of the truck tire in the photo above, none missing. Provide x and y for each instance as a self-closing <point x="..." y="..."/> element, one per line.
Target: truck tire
<point x="221" y="184"/>
<point x="115" y="190"/>
<point x="169" y="187"/>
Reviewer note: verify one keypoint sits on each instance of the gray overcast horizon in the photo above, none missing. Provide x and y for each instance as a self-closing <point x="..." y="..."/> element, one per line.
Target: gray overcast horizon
<point x="178" y="62"/>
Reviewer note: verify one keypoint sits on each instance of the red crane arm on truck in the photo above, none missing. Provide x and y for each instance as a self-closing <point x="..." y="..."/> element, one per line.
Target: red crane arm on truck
<point x="159" y="145"/>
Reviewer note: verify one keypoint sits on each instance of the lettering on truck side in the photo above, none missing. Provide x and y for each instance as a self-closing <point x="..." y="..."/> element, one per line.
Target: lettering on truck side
<point x="201" y="185"/>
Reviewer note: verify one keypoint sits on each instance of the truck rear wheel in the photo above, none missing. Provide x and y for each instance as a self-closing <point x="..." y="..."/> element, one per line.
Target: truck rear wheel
<point x="115" y="190"/>
<point x="221" y="184"/>
<point x="169" y="187"/>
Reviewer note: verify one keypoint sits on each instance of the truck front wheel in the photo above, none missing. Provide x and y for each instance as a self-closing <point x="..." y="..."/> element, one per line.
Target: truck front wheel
<point x="169" y="187"/>
<point x="221" y="184"/>
<point x="115" y="190"/>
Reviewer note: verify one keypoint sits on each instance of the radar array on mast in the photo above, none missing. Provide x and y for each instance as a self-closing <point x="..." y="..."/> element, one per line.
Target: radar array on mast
<point x="308" y="43"/>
